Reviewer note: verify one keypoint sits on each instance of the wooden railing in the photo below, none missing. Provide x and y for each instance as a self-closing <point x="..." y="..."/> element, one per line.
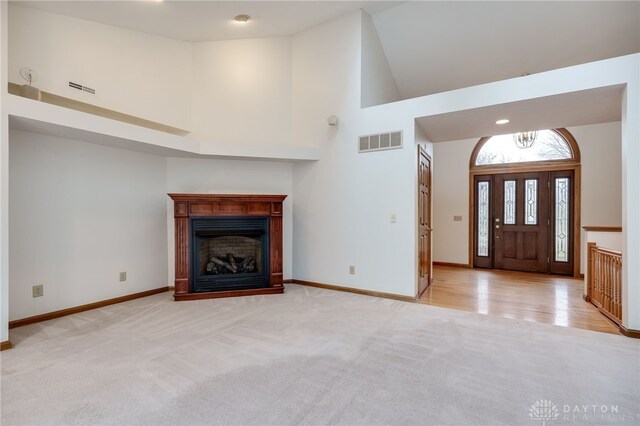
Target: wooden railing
<point x="604" y="281"/>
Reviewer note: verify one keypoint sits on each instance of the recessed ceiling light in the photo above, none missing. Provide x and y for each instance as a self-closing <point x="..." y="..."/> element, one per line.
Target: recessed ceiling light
<point x="242" y="18"/>
<point x="502" y="121"/>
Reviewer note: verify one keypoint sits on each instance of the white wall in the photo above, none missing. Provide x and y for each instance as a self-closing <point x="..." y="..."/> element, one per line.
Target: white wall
<point x="343" y="202"/>
<point x="132" y="72"/>
<point x="631" y="198"/>
<point x="451" y="198"/>
<point x="204" y="176"/>
<point x="80" y="214"/>
<point x="601" y="202"/>
<point x="608" y="240"/>
<point x="326" y="80"/>
<point x="600" y="146"/>
<point x="377" y="84"/>
<point x="242" y="91"/>
<point x="4" y="179"/>
<point x="236" y="91"/>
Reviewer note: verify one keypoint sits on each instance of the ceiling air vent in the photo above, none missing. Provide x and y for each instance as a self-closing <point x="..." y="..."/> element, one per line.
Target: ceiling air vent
<point x="380" y="141"/>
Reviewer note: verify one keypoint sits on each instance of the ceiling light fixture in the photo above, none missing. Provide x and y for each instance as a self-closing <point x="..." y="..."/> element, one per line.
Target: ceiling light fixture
<point x="525" y="140"/>
<point x="502" y="121"/>
<point x="243" y="19"/>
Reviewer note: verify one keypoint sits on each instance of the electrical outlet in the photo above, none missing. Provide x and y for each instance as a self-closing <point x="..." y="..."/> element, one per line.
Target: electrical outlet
<point x="457" y="218"/>
<point x="352" y="270"/>
<point x="123" y="276"/>
<point x="38" y="290"/>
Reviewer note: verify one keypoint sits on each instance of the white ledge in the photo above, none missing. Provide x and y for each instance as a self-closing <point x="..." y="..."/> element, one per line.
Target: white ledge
<point x="30" y="115"/>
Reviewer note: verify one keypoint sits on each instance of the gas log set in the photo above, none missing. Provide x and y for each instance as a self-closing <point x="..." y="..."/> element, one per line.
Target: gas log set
<point x="230" y="265"/>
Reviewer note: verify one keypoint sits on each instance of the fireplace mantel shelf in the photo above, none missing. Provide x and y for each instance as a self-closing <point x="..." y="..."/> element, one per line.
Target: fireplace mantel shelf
<point x="227" y="197"/>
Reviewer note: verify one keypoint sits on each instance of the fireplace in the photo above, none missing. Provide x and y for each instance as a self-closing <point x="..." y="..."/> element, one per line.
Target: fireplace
<point x="229" y="254"/>
<point x="227" y="245"/>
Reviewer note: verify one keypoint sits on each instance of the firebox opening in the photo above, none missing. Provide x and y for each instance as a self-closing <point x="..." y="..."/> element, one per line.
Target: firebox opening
<point x="229" y="254"/>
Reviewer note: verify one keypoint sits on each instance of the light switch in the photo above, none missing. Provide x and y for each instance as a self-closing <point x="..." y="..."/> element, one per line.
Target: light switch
<point x="457" y="218"/>
<point x="393" y="218"/>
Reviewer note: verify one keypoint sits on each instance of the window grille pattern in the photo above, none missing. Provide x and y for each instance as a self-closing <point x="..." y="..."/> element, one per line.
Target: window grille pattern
<point x="510" y="202"/>
<point x="562" y="220"/>
<point x="483" y="218"/>
<point x="531" y="202"/>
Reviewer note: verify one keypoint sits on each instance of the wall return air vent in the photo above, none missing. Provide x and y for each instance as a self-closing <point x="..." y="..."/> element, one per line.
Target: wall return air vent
<point x="380" y="142"/>
<point x="81" y="87"/>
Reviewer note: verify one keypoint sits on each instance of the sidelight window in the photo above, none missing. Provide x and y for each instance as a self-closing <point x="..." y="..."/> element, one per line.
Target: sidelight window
<point x="483" y="218"/>
<point x="562" y="219"/>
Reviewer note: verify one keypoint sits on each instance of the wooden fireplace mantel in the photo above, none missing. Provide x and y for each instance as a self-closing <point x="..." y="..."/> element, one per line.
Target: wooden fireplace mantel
<point x="187" y="206"/>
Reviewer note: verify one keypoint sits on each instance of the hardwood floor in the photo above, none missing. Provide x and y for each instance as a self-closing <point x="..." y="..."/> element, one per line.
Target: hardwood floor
<point x="548" y="299"/>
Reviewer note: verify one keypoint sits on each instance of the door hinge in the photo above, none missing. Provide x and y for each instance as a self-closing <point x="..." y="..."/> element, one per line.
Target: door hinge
<point x="548" y="184"/>
<point x="548" y="222"/>
<point x="547" y="260"/>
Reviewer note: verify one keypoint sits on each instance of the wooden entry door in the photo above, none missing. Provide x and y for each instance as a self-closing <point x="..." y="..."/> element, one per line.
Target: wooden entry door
<point x="424" y="219"/>
<point x="525" y="221"/>
<point x="521" y="221"/>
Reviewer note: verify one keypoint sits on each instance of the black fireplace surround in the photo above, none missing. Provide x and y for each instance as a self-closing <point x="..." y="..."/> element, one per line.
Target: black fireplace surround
<point x="229" y="253"/>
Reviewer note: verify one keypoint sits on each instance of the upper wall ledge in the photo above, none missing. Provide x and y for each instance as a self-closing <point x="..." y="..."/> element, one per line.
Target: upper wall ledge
<point x="48" y="118"/>
<point x="51" y="98"/>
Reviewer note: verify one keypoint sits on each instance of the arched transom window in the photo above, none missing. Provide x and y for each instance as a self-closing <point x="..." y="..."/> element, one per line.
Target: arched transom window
<point x="553" y="145"/>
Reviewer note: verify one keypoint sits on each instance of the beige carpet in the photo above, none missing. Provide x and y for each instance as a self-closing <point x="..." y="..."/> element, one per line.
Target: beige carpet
<point x="312" y="356"/>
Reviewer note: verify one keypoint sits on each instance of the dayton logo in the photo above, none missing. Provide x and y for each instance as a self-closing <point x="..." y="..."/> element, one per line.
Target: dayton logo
<point x="544" y="410"/>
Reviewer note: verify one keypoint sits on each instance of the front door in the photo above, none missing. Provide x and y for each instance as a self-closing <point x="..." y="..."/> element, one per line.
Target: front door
<point x="524" y="222"/>
<point x="521" y="221"/>
<point x="424" y="219"/>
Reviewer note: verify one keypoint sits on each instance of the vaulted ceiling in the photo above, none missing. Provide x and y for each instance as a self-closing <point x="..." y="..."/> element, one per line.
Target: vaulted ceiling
<point x="431" y="46"/>
<point x="434" y="47"/>
<point x="209" y="20"/>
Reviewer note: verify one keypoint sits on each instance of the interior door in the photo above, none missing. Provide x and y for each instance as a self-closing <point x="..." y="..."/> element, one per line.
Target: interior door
<point x="521" y="221"/>
<point x="424" y="219"/>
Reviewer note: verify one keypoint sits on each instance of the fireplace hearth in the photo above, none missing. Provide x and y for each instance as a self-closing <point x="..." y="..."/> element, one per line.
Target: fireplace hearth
<point x="227" y="245"/>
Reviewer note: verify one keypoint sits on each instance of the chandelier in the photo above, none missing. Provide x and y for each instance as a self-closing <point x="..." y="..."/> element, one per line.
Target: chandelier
<point x="525" y="140"/>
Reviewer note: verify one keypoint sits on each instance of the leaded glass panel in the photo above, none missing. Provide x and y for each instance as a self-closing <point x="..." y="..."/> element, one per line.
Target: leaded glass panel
<point x="510" y="202"/>
<point x="483" y="218"/>
<point x="562" y="219"/>
<point x="531" y="202"/>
